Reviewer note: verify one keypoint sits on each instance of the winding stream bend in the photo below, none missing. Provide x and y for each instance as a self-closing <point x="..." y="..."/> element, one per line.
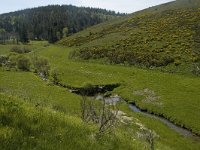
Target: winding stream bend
<point x="134" y="108"/>
<point x="178" y="129"/>
<point x="99" y="91"/>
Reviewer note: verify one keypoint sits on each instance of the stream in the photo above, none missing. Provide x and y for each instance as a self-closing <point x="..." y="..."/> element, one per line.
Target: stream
<point x="115" y="99"/>
<point x="177" y="128"/>
<point x="97" y="92"/>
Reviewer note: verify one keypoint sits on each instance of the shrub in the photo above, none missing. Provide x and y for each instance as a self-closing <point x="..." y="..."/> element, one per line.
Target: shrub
<point x="23" y="63"/>
<point x="177" y="62"/>
<point x="149" y="136"/>
<point x="20" y="50"/>
<point x="3" y="59"/>
<point x="73" y="54"/>
<point x="196" y="69"/>
<point x="12" y="60"/>
<point x="41" y="66"/>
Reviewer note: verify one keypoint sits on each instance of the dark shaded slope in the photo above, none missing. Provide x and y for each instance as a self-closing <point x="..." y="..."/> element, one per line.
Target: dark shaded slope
<point x="42" y="22"/>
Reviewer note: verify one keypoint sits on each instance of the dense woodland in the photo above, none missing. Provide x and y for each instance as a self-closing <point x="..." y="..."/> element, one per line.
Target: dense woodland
<point x="50" y="23"/>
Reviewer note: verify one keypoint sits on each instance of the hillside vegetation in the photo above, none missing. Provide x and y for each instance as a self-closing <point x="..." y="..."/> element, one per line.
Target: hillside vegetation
<point x="38" y="115"/>
<point x="25" y="126"/>
<point x="38" y="109"/>
<point x="41" y="113"/>
<point x="165" y="35"/>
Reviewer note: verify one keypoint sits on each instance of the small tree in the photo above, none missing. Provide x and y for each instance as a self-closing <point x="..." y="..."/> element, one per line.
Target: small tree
<point x="58" y="35"/>
<point x="23" y="63"/>
<point x="23" y="34"/>
<point x="2" y="36"/>
<point x="85" y="115"/>
<point x="102" y="114"/>
<point x="65" y="32"/>
<point x="108" y="116"/>
<point x="52" y="36"/>
<point x="149" y="136"/>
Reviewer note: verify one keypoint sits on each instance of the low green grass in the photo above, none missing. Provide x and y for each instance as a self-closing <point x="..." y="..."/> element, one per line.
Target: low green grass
<point x="30" y="87"/>
<point x="173" y="91"/>
<point x="5" y="49"/>
<point x="178" y="94"/>
<point x="167" y="138"/>
<point x="33" y="45"/>
<point x="25" y="126"/>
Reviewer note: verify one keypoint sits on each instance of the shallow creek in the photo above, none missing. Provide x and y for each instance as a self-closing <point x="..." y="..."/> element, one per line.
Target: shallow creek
<point x="178" y="129"/>
<point x="134" y="108"/>
<point x="97" y="92"/>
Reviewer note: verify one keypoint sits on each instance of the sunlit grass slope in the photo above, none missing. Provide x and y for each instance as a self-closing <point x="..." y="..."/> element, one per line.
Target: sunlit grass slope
<point x="178" y="95"/>
<point x="165" y="35"/>
<point x="25" y="126"/>
<point x="31" y="93"/>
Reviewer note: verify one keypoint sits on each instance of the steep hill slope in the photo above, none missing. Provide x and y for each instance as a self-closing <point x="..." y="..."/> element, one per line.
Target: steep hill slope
<point x="158" y="36"/>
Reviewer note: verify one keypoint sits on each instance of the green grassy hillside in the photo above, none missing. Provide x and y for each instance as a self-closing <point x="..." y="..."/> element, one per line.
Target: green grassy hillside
<point x="173" y="90"/>
<point x="25" y="126"/>
<point x="165" y="35"/>
<point x="30" y="105"/>
<point x="37" y="113"/>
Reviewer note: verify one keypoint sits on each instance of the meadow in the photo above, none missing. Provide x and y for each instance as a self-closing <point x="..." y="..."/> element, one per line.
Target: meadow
<point x="178" y="94"/>
<point x="36" y="112"/>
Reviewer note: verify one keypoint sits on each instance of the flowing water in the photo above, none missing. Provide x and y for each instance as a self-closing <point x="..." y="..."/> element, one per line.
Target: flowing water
<point x="134" y="108"/>
<point x="178" y="129"/>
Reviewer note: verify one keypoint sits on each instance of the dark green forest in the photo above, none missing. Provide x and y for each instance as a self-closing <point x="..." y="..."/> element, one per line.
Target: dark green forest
<point x="50" y="23"/>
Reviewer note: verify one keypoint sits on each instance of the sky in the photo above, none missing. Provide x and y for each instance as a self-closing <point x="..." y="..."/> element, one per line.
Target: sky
<point x="125" y="6"/>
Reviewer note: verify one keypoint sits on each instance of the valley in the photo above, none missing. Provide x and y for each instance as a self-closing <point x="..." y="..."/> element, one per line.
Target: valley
<point x="31" y="88"/>
<point x="100" y="80"/>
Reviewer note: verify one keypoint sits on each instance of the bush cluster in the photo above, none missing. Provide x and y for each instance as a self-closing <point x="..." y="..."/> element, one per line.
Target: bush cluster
<point x="22" y="62"/>
<point x="122" y="56"/>
<point x="20" y="50"/>
<point x="41" y="66"/>
<point x="145" y="39"/>
<point x="196" y="68"/>
<point x="3" y="60"/>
